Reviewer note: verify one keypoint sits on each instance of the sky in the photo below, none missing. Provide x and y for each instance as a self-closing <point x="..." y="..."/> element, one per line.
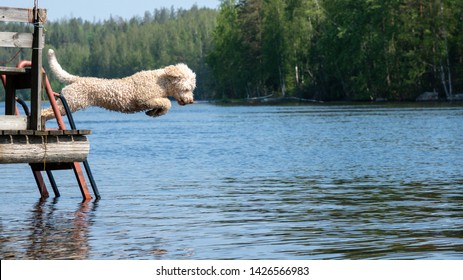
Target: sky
<point x="95" y="10"/>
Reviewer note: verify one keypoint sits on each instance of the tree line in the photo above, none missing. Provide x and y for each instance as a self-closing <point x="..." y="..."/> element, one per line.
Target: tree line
<point x="317" y="49"/>
<point x="118" y="47"/>
<point x="339" y="49"/>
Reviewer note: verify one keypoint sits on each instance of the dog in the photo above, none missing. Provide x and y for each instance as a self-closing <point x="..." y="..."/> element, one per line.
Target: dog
<point x="143" y="91"/>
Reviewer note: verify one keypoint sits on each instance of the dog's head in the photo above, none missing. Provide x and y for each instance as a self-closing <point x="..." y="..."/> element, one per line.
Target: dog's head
<point x="182" y="81"/>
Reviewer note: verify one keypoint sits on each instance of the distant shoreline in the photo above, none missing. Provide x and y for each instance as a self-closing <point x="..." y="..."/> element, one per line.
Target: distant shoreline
<point x="304" y="102"/>
<point x="294" y="102"/>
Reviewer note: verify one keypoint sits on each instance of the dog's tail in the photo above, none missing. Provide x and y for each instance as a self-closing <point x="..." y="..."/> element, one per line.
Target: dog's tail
<point x="58" y="71"/>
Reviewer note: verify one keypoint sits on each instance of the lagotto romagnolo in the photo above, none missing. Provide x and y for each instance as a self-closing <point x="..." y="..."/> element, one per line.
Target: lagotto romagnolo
<point x="145" y="91"/>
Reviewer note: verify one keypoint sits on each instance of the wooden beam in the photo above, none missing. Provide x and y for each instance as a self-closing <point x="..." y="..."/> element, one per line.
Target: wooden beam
<point x="17" y="40"/>
<point x="43" y="149"/>
<point x="21" y="15"/>
<point x="10" y="96"/>
<point x="51" y="166"/>
<point x="14" y="132"/>
<point x="13" y="122"/>
<point x="4" y="70"/>
<point x="35" y="120"/>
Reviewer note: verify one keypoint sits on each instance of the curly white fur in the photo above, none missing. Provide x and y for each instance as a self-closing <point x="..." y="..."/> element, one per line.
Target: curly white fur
<point x="143" y="91"/>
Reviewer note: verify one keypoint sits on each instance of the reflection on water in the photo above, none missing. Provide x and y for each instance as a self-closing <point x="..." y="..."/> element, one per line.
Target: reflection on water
<point x="208" y="182"/>
<point x="49" y="234"/>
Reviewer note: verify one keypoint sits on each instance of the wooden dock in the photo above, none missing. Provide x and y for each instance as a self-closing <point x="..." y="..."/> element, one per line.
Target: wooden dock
<point x="24" y="138"/>
<point x="54" y="146"/>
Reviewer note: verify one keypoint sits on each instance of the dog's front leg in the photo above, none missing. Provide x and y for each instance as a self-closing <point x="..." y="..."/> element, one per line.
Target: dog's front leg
<point x="159" y="106"/>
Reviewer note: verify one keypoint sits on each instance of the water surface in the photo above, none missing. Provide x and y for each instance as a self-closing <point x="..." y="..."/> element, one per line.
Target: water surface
<point x="211" y="182"/>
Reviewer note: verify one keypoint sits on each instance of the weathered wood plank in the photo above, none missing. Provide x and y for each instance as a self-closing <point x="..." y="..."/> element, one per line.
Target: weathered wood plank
<point x="41" y="132"/>
<point x="46" y="132"/>
<point x="18" y="40"/>
<point x="13" y="70"/>
<point x="26" y="132"/>
<point x="84" y="132"/>
<point x="10" y="132"/>
<point x="70" y="132"/>
<point x="21" y="15"/>
<point x="13" y="122"/>
<point x="55" y="132"/>
<point x="15" y="40"/>
<point x="40" y="149"/>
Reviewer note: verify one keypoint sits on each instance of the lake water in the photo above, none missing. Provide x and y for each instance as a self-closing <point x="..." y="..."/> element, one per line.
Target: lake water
<point x="282" y="182"/>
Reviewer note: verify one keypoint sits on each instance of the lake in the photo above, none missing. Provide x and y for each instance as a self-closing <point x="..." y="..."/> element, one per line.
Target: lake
<point x="268" y="182"/>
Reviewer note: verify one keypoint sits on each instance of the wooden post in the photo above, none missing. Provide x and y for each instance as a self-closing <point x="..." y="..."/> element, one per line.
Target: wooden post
<point x="10" y="94"/>
<point x="36" y="75"/>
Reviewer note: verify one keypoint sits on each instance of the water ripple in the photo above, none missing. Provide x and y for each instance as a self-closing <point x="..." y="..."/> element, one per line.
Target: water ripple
<point x="207" y="182"/>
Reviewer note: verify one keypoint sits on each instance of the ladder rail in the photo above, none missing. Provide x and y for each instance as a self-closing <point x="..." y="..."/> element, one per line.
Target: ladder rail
<point x="85" y="162"/>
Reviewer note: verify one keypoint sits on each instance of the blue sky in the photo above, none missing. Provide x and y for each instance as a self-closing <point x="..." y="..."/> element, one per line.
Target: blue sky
<point x="103" y="9"/>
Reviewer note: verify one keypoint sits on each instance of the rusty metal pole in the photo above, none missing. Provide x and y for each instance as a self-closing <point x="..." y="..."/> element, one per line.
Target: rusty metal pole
<point x="75" y="166"/>
<point x="40" y="183"/>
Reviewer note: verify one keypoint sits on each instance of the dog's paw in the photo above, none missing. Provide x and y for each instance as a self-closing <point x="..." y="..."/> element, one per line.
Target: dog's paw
<point x="155" y="112"/>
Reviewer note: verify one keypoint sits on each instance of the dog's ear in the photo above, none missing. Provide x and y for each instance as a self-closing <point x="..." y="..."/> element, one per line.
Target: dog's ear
<point x="173" y="71"/>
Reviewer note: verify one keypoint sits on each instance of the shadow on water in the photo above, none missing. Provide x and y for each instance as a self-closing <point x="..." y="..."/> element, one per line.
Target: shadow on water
<point x="50" y="233"/>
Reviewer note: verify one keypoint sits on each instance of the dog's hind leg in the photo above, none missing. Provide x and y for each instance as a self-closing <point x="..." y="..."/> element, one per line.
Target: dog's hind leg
<point x="159" y="106"/>
<point x="49" y="114"/>
<point x="73" y="103"/>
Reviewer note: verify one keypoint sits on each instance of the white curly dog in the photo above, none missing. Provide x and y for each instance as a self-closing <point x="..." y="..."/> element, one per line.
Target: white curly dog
<point x="144" y="91"/>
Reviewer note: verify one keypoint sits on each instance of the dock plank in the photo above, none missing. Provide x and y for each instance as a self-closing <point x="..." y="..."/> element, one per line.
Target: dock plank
<point x="46" y="132"/>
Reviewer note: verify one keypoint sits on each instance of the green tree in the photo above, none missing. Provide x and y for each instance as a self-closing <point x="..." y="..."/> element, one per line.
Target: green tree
<point x="225" y="57"/>
<point x="322" y="49"/>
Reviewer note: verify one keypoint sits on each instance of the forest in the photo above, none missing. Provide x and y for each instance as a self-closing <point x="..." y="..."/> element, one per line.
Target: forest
<point x="327" y="50"/>
<point x="118" y="47"/>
